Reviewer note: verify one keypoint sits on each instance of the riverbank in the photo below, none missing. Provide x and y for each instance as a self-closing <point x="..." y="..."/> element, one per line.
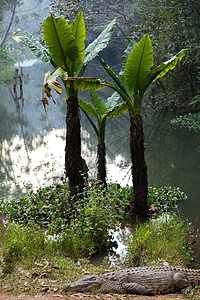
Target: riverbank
<point x="44" y="243"/>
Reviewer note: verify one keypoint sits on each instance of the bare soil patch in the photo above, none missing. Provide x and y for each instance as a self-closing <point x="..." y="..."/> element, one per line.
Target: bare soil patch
<point x="85" y="296"/>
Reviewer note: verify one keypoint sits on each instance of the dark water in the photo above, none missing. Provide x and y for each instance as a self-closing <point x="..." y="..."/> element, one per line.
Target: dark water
<point x="32" y="146"/>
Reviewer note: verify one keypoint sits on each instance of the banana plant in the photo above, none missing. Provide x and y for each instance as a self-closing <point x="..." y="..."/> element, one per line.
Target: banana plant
<point x="101" y="111"/>
<point x="136" y="75"/>
<point x="66" y="51"/>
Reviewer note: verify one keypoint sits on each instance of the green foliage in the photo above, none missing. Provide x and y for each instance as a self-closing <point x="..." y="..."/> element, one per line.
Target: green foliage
<point x="6" y="59"/>
<point x="78" y="232"/>
<point x="65" y="42"/>
<point x="38" y="49"/>
<point x="19" y="243"/>
<point x="165" y="199"/>
<point x="136" y="74"/>
<point x="138" y="64"/>
<point x="44" y="207"/>
<point x="190" y="121"/>
<point x="40" y="222"/>
<point x="161" y="240"/>
<point x="173" y="25"/>
<point x="47" y="206"/>
<point x="6" y="70"/>
<point x="97" y="45"/>
<point x="6" y="76"/>
<point x="102" y="111"/>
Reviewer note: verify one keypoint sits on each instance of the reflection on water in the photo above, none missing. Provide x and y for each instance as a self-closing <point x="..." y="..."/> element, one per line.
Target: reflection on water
<point x="38" y="166"/>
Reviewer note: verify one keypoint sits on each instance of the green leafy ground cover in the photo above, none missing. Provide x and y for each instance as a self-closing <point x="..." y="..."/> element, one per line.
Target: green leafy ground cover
<point x="45" y="242"/>
<point x="191" y="121"/>
<point x="48" y="206"/>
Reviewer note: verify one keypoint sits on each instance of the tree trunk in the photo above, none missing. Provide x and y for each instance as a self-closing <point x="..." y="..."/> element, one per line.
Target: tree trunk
<point x="101" y="164"/>
<point x="139" y="203"/>
<point x="9" y="26"/>
<point x="75" y="167"/>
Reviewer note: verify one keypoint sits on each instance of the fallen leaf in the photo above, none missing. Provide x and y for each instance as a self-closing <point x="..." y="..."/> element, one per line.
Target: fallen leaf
<point x="34" y="275"/>
<point x="55" y="267"/>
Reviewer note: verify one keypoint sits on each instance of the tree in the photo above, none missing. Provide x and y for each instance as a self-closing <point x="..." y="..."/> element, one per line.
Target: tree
<point x="66" y="52"/>
<point x="101" y="111"/>
<point x="12" y="5"/>
<point x="99" y="11"/>
<point x="131" y="83"/>
<point x="174" y="24"/>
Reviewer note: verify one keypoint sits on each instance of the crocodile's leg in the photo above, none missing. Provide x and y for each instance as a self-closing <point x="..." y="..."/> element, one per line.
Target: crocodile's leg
<point x="135" y="288"/>
<point x="181" y="281"/>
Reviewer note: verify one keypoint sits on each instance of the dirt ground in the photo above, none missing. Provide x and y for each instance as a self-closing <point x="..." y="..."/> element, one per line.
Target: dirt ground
<point x="85" y="296"/>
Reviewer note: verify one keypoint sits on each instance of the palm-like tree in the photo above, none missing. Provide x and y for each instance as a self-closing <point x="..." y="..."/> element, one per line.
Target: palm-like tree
<point x="66" y="52"/>
<point x="135" y="77"/>
<point x="101" y="111"/>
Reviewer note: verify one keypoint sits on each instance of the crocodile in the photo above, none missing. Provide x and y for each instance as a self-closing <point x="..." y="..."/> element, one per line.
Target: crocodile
<point x="140" y="280"/>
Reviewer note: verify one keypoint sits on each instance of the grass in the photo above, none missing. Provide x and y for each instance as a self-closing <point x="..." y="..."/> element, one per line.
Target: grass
<point x="161" y="240"/>
<point x="45" y="275"/>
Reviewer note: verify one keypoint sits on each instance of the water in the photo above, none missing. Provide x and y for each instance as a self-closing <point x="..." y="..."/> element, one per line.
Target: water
<point x="32" y="147"/>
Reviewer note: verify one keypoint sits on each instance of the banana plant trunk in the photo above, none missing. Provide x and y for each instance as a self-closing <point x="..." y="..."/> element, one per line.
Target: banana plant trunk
<point x="101" y="164"/>
<point x="75" y="167"/>
<point x="138" y="203"/>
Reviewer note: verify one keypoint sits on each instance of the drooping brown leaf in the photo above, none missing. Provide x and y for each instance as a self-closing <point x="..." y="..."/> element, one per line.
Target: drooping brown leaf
<point x="50" y="81"/>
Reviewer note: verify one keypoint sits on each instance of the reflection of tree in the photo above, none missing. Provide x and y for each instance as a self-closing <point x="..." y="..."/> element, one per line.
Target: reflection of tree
<point x="173" y="160"/>
<point x="171" y="155"/>
<point x="14" y="93"/>
<point x="9" y="122"/>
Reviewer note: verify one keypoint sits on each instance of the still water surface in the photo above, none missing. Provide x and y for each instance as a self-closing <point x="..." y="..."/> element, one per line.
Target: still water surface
<point x="32" y="146"/>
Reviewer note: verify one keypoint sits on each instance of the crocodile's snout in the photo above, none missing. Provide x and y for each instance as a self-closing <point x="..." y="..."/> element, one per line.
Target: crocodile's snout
<point x="89" y="283"/>
<point x="66" y="286"/>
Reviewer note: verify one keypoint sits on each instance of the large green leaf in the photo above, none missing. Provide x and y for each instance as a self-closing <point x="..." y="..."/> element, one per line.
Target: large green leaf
<point x="76" y="52"/>
<point x="138" y="64"/>
<point x="163" y="68"/>
<point x="84" y="83"/>
<point x="65" y="42"/>
<point x="57" y="36"/>
<point x="112" y="74"/>
<point x="97" y="45"/>
<point x="40" y="51"/>
<point x="118" y="110"/>
<point x="87" y="108"/>
<point x="98" y="103"/>
<point x="125" y="56"/>
<point x="111" y="102"/>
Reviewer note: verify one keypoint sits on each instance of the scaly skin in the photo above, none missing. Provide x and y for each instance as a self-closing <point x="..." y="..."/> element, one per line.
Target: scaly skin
<point x="141" y="280"/>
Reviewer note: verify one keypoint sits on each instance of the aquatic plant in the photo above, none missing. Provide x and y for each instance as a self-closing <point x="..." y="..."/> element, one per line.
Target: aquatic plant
<point x="190" y="121"/>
